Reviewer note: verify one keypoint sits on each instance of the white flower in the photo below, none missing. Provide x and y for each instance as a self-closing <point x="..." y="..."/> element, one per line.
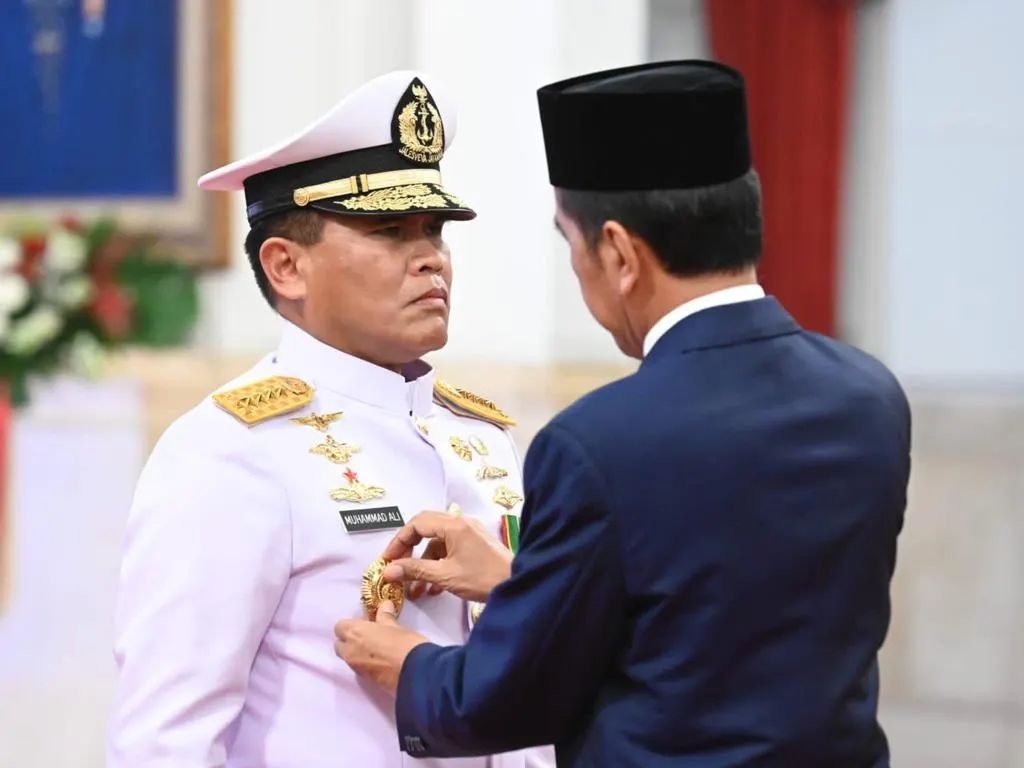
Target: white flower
<point x="73" y="292"/>
<point x="33" y="331"/>
<point x="13" y="292"/>
<point x="10" y="253"/>
<point x="65" y="251"/>
<point x="86" y="356"/>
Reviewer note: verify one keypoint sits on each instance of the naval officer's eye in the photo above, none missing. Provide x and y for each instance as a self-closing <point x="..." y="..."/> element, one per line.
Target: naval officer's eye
<point x="436" y="229"/>
<point x="394" y="231"/>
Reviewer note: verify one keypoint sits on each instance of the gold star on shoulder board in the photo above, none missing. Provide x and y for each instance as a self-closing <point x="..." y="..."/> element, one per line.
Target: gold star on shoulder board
<point x="321" y="423"/>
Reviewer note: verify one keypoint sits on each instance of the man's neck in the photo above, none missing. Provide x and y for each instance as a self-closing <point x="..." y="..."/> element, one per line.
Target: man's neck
<point x="296" y="319"/>
<point x="674" y="291"/>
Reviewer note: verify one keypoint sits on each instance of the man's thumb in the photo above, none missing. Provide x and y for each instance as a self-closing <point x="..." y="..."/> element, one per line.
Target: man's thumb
<point x="414" y="569"/>
<point x="386" y="613"/>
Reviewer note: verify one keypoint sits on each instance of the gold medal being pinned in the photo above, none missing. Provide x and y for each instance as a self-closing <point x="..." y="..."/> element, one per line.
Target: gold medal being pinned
<point x="375" y="590"/>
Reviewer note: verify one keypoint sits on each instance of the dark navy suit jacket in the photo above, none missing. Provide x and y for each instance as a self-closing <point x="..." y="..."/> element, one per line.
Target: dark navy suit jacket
<point x="704" y="572"/>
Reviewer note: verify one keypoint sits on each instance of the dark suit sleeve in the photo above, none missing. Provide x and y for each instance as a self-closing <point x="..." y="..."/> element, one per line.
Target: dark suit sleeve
<point x="537" y="657"/>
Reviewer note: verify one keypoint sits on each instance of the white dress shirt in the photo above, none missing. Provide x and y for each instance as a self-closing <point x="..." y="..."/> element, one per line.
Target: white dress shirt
<point x="237" y="565"/>
<point x="734" y="295"/>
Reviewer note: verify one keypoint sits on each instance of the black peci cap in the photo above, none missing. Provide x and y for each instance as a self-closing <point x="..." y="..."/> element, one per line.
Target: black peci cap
<point x="668" y="125"/>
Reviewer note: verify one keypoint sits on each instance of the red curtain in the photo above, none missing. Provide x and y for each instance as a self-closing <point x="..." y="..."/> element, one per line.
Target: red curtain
<point x="795" y="58"/>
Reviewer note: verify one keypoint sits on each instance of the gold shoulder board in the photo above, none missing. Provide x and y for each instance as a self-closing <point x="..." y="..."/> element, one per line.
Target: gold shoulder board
<point x="465" y="403"/>
<point x="265" y="399"/>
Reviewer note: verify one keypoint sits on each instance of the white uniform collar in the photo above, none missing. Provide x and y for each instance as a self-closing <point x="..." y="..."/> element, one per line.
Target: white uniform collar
<point x="734" y="295"/>
<point x="300" y="354"/>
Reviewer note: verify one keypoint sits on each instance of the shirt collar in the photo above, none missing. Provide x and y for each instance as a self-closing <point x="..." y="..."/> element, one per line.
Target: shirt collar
<point x="734" y="295"/>
<point x="325" y="367"/>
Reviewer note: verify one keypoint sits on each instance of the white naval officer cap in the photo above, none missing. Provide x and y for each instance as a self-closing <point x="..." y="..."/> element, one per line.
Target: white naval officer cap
<point x="377" y="152"/>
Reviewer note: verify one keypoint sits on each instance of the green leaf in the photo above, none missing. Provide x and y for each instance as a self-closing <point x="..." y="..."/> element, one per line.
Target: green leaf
<point x="166" y="300"/>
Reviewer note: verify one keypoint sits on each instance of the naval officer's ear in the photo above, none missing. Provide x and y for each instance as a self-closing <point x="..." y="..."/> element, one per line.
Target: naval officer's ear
<point x="613" y="267"/>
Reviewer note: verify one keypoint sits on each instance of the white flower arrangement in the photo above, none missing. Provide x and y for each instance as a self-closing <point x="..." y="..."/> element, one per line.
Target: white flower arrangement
<point x="70" y="292"/>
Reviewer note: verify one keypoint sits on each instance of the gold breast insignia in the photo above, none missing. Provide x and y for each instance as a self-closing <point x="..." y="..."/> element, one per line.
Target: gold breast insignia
<point x="489" y="472"/>
<point x="319" y="422"/>
<point x="335" y="452"/>
<point x="265" y="399"/>
<point x="461" y="449"/>
<point x="355" y="491"/>
<point x="375" y="590"/>
<point x="506" y="497"/>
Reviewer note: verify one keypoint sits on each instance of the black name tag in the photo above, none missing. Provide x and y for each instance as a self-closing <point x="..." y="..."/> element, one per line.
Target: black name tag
<point x="377" y="519"/>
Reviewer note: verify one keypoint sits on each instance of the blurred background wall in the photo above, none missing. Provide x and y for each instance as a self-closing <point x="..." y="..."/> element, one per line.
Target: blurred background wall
<point x="928" y="276"/>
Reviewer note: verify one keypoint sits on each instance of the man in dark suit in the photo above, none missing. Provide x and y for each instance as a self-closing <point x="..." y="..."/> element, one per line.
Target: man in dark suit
<point x="707" y="544"/>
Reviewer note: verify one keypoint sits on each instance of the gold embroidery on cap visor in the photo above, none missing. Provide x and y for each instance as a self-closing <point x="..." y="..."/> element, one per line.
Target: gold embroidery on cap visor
<point x="404" y="198"/>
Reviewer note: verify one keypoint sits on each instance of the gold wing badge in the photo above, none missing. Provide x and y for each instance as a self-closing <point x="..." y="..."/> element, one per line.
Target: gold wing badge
<point x="265" y="399"/>
<point x="319" y="422"/>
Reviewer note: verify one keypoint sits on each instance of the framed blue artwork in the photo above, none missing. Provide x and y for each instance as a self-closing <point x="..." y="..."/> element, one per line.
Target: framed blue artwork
<point x="116" y="107"/>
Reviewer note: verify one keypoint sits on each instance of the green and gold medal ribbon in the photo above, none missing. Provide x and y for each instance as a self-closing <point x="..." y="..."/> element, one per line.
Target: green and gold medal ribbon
<point x="510" y="532"/>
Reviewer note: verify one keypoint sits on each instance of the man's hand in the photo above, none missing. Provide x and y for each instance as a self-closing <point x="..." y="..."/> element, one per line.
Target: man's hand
<point x="376" y="649"/>
<point x="461" y="558"/>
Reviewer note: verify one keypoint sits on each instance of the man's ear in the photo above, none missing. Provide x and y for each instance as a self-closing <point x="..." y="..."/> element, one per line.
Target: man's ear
<point x="283" y="262"/>
<point x="618" y="252"/>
